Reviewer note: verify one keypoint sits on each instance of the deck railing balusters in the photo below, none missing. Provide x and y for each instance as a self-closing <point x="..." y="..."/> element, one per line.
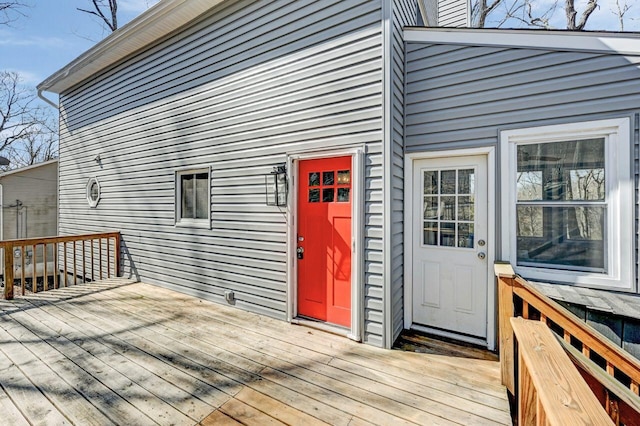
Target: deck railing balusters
<point x="23" y="281"/>
<point x="514" y="292"/>
<point x="108" y="263"/>
<point x="100" y="255"/>
<point x="60" y="246"/>
<point x="56" y="271"/>
<point x="45" y="277"/>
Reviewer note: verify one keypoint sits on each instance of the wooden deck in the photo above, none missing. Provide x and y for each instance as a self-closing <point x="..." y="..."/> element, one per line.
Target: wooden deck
<point x="116" y="352"/>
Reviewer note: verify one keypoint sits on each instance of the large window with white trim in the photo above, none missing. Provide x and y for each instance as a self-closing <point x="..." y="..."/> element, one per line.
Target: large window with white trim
<point x="568" y="216"/>
<point x="193" y="205"/>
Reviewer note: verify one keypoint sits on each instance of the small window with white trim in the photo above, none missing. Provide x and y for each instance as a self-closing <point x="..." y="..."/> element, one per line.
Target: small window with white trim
<point x="193" y="195"/>
<point x="568" y="216"/>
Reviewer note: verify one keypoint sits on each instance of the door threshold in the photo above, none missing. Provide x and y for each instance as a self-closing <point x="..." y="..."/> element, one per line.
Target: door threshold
<point x="479" y="341"/>
<point x="322" y="326"/>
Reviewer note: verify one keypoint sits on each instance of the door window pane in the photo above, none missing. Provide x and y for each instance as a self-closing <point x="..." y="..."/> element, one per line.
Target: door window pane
<point x="466" y="181"/>
<point x="328" y="178"/>
<point x="431" y="233"/>
<point x="447" y="234"/>
<point x="465" y="208"/>
<point x="343" y="195"/>
<point x="344" y="177"/>
<point x="327" y="195"/>
<point x="314" y="179"/>
<point x="465" y="235"/>
<point x="448" y="182"/>
<point x="449" y="207"/>
<point x="314" y="195"/>
<point x="431" y="182"/>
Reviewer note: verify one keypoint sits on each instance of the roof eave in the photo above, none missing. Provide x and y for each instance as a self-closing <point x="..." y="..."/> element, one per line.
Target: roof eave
<point x="607" y="42"/>
<point x="154" y="24"/>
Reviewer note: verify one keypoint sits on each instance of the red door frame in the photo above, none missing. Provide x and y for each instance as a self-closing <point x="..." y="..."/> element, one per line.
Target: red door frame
<point x="323" y="232"/>
<point x="357" y="154"/>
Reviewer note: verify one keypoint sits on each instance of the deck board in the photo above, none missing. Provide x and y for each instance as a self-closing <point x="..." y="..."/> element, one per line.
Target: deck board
<point x="121" y="352"/>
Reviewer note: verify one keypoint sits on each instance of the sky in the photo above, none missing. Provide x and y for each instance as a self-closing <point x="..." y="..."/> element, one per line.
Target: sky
<point x="54" y="33"/>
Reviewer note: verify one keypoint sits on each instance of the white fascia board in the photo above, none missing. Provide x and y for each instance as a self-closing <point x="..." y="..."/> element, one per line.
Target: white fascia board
<point x="152" y="25"/>
<point x="617" y="43"/>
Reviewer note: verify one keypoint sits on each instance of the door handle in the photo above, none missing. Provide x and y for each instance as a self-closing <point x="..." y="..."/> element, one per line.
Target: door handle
<point x="481" y="255"/>
<point x="300" y="252"/>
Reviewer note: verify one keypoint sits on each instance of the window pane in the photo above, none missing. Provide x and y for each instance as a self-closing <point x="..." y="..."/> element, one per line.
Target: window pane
<point x="448" y="208"/>
<point x="466" y="181"/>
<point x="327" y="178"/>
<point x="448" y="234"/>
<point x="561" y="171"/>
<point x="465" y="208"/>
<point x="431" y="182"/>
<point x="529" y="186"/>
<point x="465" y="235"/>
<point x="202" y="196"/>
<point x="431" y="207"/>
<point x="573" y="237"/>
<point x="187" y="192"/>
<point x="314" y="179"/>
<point x="327" y="195"/>
<point x="431" y="233"/>
<point x="314" y="195"/>
<point x="344" y="177"/>
<point x="448" y="182"/>
<point x="343" y="195"/>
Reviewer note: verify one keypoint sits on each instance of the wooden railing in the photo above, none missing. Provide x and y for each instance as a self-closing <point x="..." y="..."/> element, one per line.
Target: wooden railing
<point x="59" y="261"/>
<point x="551" y="390"/>
<point x="611" y="373"/>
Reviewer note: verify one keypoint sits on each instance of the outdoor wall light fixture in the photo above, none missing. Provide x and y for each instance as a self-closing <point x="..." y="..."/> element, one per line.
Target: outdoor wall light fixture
<point x="276" y="186"/>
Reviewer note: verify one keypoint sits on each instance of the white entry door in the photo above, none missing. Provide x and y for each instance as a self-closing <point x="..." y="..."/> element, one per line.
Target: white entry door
<point x="450" y="244"/>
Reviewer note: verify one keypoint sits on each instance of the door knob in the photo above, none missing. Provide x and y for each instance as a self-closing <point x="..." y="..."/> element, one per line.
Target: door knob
<point x="481" y="243"/>
<point x="481" y="255"/>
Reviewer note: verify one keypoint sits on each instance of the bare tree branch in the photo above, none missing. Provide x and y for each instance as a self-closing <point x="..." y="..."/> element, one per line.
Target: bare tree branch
<point x="112" y="20"/>
<point x="620" y="11"/>
<point x="11" y="10"/>
<point x="20" y="118"/>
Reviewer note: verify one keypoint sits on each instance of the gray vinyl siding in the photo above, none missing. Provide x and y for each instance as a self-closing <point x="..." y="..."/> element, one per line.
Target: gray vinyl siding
<point x="463" y="96"/>
<point x="453" y="13"/>
<point x="431" y="9"/>
<point x="404" y="14"/>
<point x="236" y="92"/>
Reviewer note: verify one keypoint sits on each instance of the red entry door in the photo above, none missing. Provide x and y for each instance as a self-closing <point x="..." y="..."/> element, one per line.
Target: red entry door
<point x="324" y="240"/>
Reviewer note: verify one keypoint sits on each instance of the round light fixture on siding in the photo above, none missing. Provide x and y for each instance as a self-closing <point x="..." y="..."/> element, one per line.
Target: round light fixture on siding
<point x="93" y="192"/>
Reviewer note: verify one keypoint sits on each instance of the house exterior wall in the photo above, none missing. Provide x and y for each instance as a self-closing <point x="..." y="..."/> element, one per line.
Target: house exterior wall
<point x="235" y="92"/>
<point x="404" y="14"/>
<point x="453" y="13"/>
<point x="36" y="189"/>
<point x="461" y="96"/>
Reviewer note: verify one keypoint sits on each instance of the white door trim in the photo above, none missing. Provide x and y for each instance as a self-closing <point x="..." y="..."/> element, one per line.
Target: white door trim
<point x="491" y="231"/>
<point x="357" y="233"/>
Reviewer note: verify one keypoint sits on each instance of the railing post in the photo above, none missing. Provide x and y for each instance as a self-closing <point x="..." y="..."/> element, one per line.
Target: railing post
<point x="116" y="253"/>
<point x="8" y="272"/>
<point x="505" y="274"/>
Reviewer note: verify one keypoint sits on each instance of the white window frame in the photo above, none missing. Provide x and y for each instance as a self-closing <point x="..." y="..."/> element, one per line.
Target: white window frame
<point x="619" y="200"/>
<point x="187" y="222"/>
<point x="93" y="203"/>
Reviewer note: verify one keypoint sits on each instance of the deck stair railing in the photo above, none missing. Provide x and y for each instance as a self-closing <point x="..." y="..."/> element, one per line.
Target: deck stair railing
<point x="59" y="261"/>
<point x="611" y="374"/>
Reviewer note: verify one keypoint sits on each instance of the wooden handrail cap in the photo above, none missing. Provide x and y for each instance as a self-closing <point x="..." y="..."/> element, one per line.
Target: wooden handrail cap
<point x="503" y="270"/>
